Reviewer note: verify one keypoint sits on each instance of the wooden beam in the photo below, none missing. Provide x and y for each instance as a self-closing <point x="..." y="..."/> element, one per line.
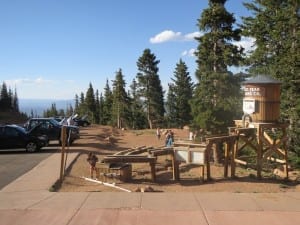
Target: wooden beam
<point x="241" y="162"/>
<point x="276" y="160"/>
<point x="139" y="151"/>
<point x="129" y="159"/>
<point x="160" y="152"/>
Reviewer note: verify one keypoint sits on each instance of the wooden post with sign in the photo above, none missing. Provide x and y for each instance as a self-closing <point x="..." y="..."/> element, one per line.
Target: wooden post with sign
<point x="63" y="144"/>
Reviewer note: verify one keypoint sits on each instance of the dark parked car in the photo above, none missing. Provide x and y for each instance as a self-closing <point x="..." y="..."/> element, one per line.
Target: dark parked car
<point x="13" y="136"/>
<point x="52" y="128"/>
<point x="81" y="121"/>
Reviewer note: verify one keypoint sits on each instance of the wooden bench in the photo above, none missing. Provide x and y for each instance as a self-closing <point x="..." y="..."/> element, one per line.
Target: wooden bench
<point x="133" y="159"/>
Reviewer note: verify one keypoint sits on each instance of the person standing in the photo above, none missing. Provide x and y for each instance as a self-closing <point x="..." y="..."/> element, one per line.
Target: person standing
<point x="158" y="133"/>
<point x="169" y="138"/>
<point x="92" y="159"/>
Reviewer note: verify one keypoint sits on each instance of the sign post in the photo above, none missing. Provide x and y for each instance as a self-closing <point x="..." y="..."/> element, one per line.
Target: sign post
<point x="63" y="144"/>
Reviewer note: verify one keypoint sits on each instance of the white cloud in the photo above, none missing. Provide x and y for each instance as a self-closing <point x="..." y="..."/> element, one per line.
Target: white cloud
<point x="169" y="35"/>
<point x="41" y="80"/>
<point x="192" y="36"/>
<point x="247" y="43"/>
<point x="27" y="81"/>
<point x="190" y="52"/>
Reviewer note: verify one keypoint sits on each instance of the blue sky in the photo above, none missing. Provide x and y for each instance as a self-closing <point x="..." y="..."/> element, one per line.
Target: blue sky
<point x="53" y="49"/>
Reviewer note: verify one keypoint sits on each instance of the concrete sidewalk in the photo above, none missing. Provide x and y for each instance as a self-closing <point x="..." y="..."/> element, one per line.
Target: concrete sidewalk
<point x="27" y="201"/>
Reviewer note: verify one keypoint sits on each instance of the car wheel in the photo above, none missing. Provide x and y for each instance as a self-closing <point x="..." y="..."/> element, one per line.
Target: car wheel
<point x="31" y="147"/>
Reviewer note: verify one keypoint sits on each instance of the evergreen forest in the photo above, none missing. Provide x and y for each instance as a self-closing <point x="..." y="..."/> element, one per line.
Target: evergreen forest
<point x="215" y="100"/>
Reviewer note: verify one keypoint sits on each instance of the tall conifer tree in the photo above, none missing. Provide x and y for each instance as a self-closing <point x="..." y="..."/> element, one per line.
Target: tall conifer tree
<point x="137" y="114"/>
<point x="216" y="96"/>
<point x="171" y="107"/>
<point x="149" y="87"/>
<point x="275" y="26"/>
<point x="107" y="105"/>
<point x="183" y="92"/>
<point x="90" y="102"/>
<point x="120" y="100"/>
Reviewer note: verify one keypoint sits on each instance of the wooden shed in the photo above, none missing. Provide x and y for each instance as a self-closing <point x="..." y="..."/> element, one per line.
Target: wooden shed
<point x="262" y="98"/>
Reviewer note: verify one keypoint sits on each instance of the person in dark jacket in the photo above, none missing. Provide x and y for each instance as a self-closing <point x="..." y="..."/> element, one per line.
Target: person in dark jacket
<point x="92" y="159"/>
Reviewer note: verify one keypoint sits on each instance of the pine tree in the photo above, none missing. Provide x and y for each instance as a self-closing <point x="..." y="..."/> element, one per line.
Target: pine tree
<point x="137" y="114"/>
<point x="90" y="102"/>
<point x="101" y="106"/>
<point x="69" y="111"/>
<point x="216" y="96"/>
<point x="275" y="27"/>
<point x="149" y="87"/>
<point x="76" y="107"/>
<point x="107" y="105"/>
<point x="171" y="107"/>
<point x="82" y="109"/>
<point x="15" y="102"/>
<point x="97" y="112"/>
<point x="5" y="98"/>
<point x="120" y="100"/>
<point x="183" y="92"/>
<point x="52" y="112"/>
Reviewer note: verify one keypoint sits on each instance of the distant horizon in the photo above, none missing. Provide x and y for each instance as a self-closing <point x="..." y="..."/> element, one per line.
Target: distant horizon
<point x="55" y="99"/>
<point x="38" y="106"/>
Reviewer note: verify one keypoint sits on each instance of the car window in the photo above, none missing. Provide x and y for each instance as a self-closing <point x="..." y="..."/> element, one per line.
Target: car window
<point x="1" y="130"/>
<point x="11" y="132"/>
<point x="44" y="125"/>
<point x="53" y="121"/>
<point x="33" y="123"/>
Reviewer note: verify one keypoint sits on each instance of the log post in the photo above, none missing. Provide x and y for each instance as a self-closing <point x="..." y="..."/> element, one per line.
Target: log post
<point x="153" y="172"/>
<point x="285" y="152"/>
<point x="227" y="146"/>
<point x="175" y="167"/>
<point x="259" y="151"/>
<point x="233" y="157"/>
<point x="207" y="159"/>
<point x="63" y="144"/>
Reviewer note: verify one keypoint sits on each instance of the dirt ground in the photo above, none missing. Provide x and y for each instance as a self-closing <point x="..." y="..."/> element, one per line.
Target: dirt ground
<point x="94" y="139"/>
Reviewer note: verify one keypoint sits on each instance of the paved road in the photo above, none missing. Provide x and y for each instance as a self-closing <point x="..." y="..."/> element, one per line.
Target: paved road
<point x="15" y="163"/>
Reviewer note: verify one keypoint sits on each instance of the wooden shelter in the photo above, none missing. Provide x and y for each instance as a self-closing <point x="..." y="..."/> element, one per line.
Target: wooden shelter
<point x="262" y="99"/>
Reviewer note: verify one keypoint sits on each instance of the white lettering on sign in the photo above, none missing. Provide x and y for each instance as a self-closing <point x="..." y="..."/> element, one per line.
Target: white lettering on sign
<point x="253" y="91"/>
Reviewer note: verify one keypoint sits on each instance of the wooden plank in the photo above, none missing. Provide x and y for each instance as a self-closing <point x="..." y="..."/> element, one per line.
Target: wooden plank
<point x="139" y="151"/>
<point x="177" y="144"/>
<point x="222" y="138"/>
<point x="129" y="159"/>
<point x="241" y="162"/>
<point x="276" y="160"/>
<point x="160" y="152"/>
<point x="128" y="150"/>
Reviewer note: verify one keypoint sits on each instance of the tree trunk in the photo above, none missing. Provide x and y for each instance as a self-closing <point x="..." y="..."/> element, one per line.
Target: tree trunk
<point x="149" y="121"/>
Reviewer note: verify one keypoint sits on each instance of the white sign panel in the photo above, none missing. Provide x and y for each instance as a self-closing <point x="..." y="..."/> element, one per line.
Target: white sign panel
<point x="197" y="157"/>
<point x="249" y="106"/>
<point x="182" y="156"/>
